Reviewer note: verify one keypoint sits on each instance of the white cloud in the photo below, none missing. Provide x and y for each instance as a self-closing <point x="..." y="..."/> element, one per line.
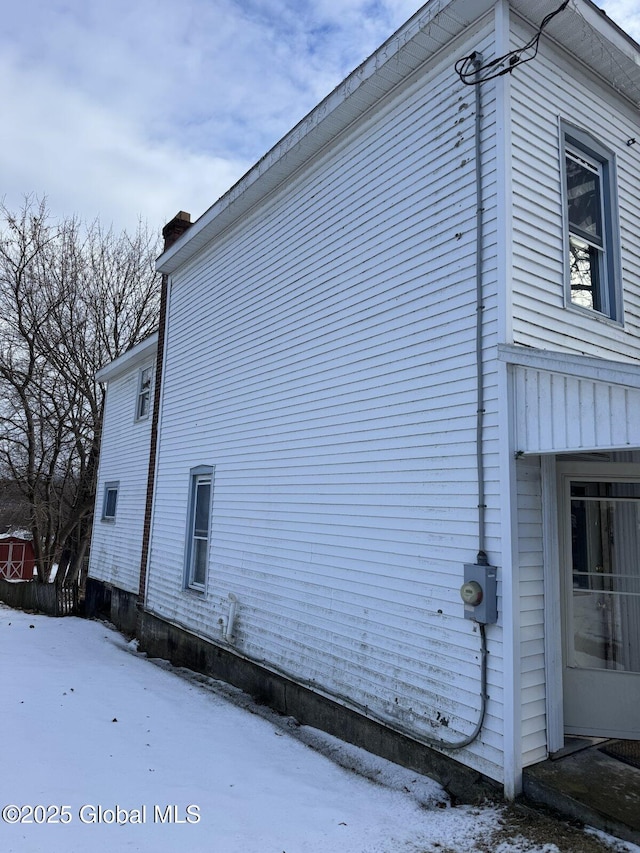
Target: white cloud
<point x="125" y="109"/>
<point x="92" y="161"/>
<point x="625" y="13"/>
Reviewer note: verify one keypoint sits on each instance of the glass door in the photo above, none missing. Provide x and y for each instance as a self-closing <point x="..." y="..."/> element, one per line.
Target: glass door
<point x="601" y="683"/>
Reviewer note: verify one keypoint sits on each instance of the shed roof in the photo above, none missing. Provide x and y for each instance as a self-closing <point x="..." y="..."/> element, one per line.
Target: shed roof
<point x="129" y="359"/>
<point x="18" y="535"/>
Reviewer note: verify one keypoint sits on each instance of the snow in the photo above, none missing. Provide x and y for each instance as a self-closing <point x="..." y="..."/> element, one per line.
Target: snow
<point x="17" y="534"/>
<point x="89" y="723"/>
<point x="52" y="574"/>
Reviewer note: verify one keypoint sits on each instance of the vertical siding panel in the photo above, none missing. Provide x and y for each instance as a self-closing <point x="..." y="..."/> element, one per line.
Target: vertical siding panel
<point x="618" y="416"/>
<point x="545" y="421"/>
<point x="632" y="400"/>
<point x="602" y="415"/>
<point x="559" y="413"/>
<point x="586" y="408"/>
<point x="521" y="418"/>
<point x="530" y="556"/>
<point x="572" y="405"/>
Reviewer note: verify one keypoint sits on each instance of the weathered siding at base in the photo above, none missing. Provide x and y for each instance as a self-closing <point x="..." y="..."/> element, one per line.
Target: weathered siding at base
<point x="102" y="600"/>
<point x="158" y="638"/>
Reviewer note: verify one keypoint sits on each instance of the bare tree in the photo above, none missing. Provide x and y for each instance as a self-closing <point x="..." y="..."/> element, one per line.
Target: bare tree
<point x="72" y="297"/>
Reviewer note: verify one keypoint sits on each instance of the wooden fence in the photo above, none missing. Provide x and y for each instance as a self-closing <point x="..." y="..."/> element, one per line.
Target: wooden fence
<point x="41" y="597"/>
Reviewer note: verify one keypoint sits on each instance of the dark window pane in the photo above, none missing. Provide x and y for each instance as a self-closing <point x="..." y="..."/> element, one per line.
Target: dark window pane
<point x="580" y="489"/>
<point x="201" y="522"/>
<point x="143" y="404"/>
<point x="199" y="561"/>
<point x="144" y="393"/>
<point x="110" y="503"/>
<point x="583" y="197"/>
<point x="584" y="274"/>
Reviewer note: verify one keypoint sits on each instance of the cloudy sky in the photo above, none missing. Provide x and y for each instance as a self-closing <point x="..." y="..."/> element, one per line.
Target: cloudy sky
<point x="128" y="109"/>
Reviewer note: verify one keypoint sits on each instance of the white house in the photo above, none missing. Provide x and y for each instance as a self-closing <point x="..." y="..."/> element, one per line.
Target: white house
<point x="116" y="543"/>
<point x="402" y="361"/>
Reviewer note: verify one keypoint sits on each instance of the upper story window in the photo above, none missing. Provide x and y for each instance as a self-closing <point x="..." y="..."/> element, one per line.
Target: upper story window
<point x="143" y="404"/>
<point x="591" y="232"/>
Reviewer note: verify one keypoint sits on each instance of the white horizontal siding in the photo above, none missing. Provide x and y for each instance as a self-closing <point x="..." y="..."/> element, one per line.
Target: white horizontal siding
<point x="320" y="355"/>
<point x="544" y="91"/>
<point x="116" y="546"/>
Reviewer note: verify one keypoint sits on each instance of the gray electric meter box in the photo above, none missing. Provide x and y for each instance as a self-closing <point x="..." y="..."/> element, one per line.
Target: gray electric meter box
<point x="480" y="593"/>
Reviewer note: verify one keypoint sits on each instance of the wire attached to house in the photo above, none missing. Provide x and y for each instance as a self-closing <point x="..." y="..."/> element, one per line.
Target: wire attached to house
<point x="482" y="559"/>
<point x="349" y="702"/>
<point x="471" y="75"/>
<point x="482" y="555"/>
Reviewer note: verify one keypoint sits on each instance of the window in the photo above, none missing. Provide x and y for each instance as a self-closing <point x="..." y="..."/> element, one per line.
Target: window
<point x="143" y="404"/>
<point x="591" y="233"/>
<point x="197" y="551"/>
<point x="109" y="501"/>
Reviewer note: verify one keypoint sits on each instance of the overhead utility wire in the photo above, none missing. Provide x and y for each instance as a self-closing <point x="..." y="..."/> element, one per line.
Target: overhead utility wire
<point x="471" y="75"/>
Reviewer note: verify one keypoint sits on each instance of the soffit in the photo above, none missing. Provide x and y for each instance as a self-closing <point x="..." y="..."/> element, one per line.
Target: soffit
<point x="586" y="32"/>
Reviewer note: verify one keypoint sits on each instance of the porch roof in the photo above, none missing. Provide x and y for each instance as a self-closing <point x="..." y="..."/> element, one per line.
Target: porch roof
<point x="562" y="403"/>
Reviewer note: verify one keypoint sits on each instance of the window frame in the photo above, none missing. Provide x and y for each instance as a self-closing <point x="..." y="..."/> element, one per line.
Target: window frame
<point x="201" y="475"/>
<point x="144" y="393"/>
<point x="580" y="145"/>
<point x="109" y="487"/>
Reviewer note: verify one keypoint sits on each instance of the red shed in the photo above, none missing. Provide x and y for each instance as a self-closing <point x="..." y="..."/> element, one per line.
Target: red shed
<point x="17" y="559"/>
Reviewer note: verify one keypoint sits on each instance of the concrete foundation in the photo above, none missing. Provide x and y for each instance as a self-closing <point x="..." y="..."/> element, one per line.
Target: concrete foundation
<point x="102" y="600"/>
<point x="160" y="639"/>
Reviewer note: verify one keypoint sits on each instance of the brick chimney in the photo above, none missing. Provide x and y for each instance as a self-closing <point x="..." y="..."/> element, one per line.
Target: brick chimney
<point x="174" y="229"/>
<point x="171" y="232"/>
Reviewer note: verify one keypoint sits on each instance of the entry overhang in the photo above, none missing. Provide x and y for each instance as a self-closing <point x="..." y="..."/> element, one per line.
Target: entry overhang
<point x="563" y="403"/>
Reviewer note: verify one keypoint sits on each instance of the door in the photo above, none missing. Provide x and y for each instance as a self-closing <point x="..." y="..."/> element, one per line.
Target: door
<point x="600" y="574"/>
<point x="12" y="558"/>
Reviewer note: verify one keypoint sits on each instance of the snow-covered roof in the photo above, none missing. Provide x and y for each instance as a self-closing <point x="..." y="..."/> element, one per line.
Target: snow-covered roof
<point x="17" y="534"/>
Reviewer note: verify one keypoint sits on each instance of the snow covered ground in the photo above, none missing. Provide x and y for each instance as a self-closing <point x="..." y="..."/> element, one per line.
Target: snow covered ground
<point x="104" y="750"/>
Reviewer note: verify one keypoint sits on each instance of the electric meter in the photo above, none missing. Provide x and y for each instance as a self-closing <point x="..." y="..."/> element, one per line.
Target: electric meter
<point x="480" y="594"/>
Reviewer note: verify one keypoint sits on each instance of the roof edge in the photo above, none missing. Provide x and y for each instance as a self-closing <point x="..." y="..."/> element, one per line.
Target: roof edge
<point x="128" y="359"/>
<point x="396" y="49"/>
<point x="409" y="47"/>
<point x="623" y="373"/>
